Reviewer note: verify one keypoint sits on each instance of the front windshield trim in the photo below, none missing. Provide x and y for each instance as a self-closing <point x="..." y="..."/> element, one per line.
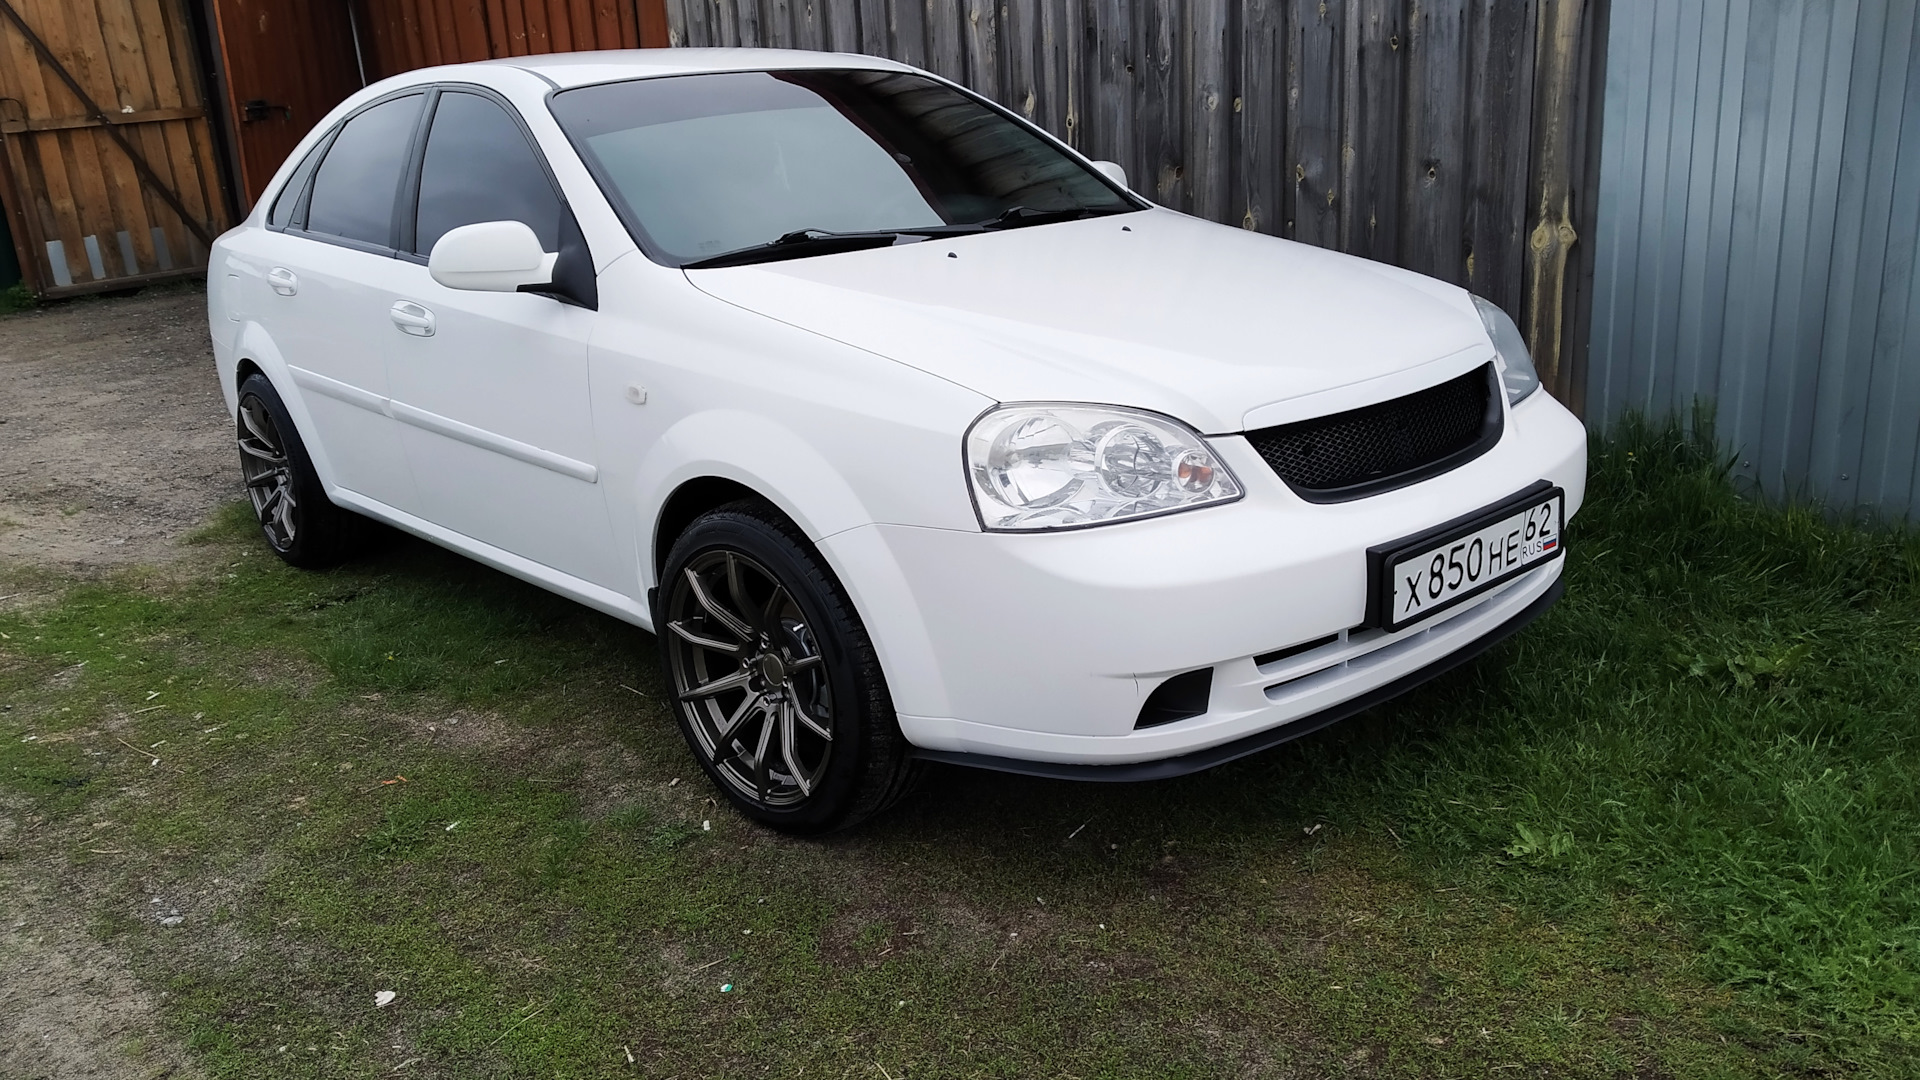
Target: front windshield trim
<point x="656" y="253"/>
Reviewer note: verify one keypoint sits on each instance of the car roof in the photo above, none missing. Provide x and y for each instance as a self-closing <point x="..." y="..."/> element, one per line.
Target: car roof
<point x="567" y="70"/>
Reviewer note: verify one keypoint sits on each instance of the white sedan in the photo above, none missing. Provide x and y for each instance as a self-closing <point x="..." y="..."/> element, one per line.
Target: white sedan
<point x="912" y="434"/>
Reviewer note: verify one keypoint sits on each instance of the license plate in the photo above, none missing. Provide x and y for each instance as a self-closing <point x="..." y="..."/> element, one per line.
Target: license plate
<point x="1421" y="576"/>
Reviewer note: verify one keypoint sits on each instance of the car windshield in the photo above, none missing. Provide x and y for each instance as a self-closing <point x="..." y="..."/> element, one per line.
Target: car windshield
<point x="706" y="166"/>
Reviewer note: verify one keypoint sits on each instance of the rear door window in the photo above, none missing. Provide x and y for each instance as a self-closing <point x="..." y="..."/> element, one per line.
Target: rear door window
<point x="287" y="203"/>
<point x="480" y="167"/>
<point x="357" y="185"/>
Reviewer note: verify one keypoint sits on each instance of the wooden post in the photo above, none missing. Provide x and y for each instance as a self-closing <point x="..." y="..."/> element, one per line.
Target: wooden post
<point x="1551" y="236"/>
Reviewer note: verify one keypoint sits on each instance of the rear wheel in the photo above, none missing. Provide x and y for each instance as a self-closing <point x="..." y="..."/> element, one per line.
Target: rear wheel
<point x="299" y="522"/>
<point x="778" y="690"/>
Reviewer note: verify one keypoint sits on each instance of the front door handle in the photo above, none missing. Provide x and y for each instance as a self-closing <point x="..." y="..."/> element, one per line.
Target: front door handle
<point x="411" y="318"/>
<point x="283" y="281"/>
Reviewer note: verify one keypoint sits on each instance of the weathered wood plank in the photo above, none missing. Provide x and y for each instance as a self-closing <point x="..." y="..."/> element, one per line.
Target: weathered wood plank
<point x="499" y="36"/>
<point x="1550" y="217"/>
<point x="1022" y="41"/>
<point x="908" y="23"/>
<point x="1259" y="116"/>
<point x="1371" y="225"/>
<point x="946" y="55"/>
<point x="776" y="25"/>
<point x="876" y="31"/>
<point x="982" y="34"/>
<point x="538" y="27"/>
<point x="1084" y="44"/>
<point x="92" y="161"/>
<point x="1434" y="167"/>
<point x="1500" y="90"/>
<point x="843" y="24"/>
<point x="1110" y="89"/>
<point x="1160" y="103"/>
<point x="1209" y="58"/>
<point x="686" y="23"/>
<point x="1314" y="112"/>
<point x="749" y="30"/>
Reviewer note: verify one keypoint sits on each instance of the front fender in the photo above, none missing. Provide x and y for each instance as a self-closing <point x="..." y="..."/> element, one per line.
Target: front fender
<point x="252" y="343"/>
<point x="757" y="452"/>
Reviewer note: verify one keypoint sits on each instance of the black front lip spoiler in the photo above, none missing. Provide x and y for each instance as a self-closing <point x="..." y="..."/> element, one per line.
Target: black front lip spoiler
<point x="1201" y="760"/>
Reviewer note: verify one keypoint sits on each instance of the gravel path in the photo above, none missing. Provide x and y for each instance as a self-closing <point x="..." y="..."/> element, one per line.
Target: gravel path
<point x="114" y="444"/>
<point x="113" y="440"/>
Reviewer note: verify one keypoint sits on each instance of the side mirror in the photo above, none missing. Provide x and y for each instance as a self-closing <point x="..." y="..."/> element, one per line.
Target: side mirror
<point x="1113" y="172"/>
<point x="490" y="256"/>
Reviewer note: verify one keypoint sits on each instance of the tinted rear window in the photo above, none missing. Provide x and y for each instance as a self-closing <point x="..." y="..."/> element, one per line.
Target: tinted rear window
<point x="356" y="186"/>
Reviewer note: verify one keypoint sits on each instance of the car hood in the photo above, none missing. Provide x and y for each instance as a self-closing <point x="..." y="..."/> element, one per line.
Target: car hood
<point x="1155" y="309"/>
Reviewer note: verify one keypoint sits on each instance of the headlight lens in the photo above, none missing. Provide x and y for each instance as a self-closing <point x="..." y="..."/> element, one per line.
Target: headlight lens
<point x="1062" y="466"/>
<point x="1516" y="365"/>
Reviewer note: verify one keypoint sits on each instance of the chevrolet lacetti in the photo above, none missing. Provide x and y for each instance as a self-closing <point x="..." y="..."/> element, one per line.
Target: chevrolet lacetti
<point x="912" y="434"/>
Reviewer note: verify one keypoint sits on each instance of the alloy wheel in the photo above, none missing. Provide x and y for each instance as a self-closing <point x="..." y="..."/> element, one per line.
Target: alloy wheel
<point x="269" y="479"/>
<point x="750" y="679"/>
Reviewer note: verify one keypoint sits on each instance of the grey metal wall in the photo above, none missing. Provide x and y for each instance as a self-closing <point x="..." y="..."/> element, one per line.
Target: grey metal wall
<point x="1447" y="136"/>
<point x="1759" y="219"/>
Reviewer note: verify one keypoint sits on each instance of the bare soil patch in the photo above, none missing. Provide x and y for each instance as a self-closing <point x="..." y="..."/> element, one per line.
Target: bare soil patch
<point x="114" y="441"/>
<point x="70" y="1007"/>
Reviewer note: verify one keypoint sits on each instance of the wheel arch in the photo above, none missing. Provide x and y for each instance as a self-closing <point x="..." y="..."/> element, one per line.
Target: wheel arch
<point x="687" y="502"/>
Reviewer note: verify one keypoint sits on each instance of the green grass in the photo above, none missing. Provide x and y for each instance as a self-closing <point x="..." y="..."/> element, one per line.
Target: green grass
<point x="1668" y="831"/>
<point x="17" y="297"/>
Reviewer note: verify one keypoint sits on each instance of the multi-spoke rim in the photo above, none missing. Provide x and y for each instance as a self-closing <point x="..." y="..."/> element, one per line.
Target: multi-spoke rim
<point x="263" y="462"/>
<point x="747" y="671"/>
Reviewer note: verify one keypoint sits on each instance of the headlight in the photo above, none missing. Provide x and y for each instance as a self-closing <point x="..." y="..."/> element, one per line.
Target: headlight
<point x="1516" y="366"/>
<point x="1063" y="466"/>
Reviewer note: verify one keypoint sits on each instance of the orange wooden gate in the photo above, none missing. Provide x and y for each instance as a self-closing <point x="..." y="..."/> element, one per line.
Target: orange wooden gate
<point x="109" y="167"/>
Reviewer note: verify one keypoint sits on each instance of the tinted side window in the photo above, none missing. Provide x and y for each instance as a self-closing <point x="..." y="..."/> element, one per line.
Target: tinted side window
<point x="479" y="167"/>
<point x="354" y="190"/>
<point x="288" y="201"/>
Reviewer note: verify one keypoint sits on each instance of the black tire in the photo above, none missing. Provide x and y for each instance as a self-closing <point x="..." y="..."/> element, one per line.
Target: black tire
<point x="299" y="522"/>
<point x="807" y="657"/>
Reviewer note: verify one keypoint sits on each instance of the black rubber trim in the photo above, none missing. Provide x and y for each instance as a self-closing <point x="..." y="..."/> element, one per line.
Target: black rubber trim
<point x="1201" y="760"/>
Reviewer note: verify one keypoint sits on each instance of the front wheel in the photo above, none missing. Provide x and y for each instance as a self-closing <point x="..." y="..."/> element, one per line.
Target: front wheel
<point x="777" y="687"/>
<point x="299" y="522"/>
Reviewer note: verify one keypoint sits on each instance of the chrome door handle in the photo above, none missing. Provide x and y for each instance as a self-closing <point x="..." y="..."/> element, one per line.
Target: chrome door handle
<point x="411" y="318"/>
<point x="283" y="281"/>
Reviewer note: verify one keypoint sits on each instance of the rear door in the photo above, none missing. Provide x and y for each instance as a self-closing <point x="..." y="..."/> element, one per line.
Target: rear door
<point x="491" y="387"/>
<point x="324" y="268"/>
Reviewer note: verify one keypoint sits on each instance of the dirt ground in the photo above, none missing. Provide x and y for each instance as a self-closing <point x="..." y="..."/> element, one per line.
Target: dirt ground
<point x="114" y="442"/>
<point x="114" y="445"/>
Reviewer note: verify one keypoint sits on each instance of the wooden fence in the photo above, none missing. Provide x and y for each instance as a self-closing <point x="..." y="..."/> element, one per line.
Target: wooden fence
<point x="405" y="34"/>
<point x="1451" y="137"/>
<point x="109" y="171"/>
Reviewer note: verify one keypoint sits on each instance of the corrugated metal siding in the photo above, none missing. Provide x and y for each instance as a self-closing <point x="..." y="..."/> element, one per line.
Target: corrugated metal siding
<point x="1758" y="224"/>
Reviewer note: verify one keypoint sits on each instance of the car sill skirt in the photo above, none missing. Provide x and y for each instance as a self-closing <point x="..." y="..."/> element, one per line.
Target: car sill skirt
<point x="1202" y="760"/>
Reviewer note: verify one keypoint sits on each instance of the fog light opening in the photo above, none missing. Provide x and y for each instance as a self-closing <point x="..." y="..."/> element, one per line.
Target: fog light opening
<point x="1179" y="698"/>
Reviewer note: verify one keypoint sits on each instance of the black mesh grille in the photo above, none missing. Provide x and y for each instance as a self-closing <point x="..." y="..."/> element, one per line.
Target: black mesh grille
<point x="1377" y="447"/>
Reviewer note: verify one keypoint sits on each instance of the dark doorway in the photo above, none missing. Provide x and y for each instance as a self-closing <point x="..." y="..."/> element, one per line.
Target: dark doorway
<point x="287" y="62"/>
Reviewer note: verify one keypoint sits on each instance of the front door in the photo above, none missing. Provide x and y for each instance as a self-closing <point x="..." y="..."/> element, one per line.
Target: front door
<point x="287" y="64"/>
<point x="491" y="388"/>
<point x="318" y="277"/>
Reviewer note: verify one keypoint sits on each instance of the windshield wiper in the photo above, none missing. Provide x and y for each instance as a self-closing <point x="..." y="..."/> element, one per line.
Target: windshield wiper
<point x="804" y="242"/>
<point x="801" y="243"/>
<point x="1014" y="217"/>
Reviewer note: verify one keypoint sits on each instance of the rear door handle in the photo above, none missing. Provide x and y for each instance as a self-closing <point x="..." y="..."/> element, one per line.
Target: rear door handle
<point x="283" y="281"/>
<point x="411" y="318"/>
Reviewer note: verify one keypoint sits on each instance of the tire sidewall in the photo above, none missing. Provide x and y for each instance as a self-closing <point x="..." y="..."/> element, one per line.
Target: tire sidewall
<point x="853" y="703"/>
<point x="309" y="493"/>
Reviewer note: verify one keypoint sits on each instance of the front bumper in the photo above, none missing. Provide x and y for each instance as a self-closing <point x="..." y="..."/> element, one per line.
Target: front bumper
<point x="1043" y="647"/>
